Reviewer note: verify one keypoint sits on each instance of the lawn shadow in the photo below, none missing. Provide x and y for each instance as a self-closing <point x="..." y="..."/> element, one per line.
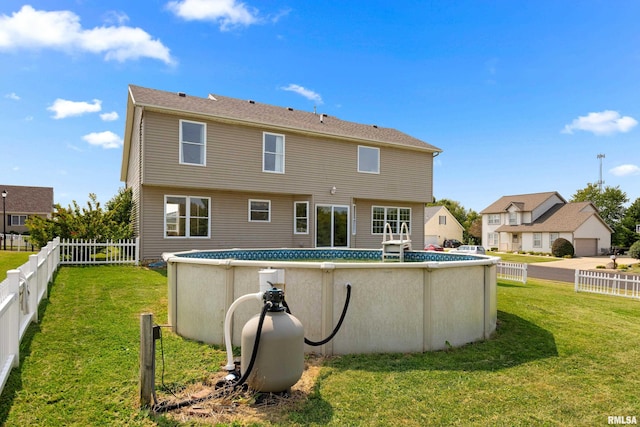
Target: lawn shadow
<point x="516" y="341"/>
<point x="14" y="382"/>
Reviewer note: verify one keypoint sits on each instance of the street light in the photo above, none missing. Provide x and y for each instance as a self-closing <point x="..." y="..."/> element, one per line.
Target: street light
<point x="4" y="218"/>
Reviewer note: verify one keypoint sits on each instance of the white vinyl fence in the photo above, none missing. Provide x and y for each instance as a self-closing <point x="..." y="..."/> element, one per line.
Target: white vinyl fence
<point x="512" y="271"/>
<point x="20" y="296"/>
<point x="83" y="252"/>
<point x="25" y="287"/>
<point x="600" y="282"/>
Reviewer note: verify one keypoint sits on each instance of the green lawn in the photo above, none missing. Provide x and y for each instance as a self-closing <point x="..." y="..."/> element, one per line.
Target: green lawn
<point x="558" y="358"/>
<point x="11" y="260"/>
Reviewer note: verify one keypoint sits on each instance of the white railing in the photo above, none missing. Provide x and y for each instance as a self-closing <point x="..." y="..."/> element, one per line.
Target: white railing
<point x="83" y="252"/>
<point x="512" y="271"/>
<point x="20" y="296"/>
<point x="600" y="282"/>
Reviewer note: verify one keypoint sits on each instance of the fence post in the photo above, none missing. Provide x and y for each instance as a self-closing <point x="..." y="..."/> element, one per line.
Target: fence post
<point x="33" y="267"/>
<point x="576" y="280"/>
<point x="147" y="360"/>
<point x="13" y="278"/>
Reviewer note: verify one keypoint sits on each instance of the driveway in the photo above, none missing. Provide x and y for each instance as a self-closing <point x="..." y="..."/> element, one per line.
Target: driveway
<point x="564" y="270"/>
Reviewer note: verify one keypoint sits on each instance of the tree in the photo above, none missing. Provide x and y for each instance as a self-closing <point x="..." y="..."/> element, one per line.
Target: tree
<point x="631" y="218"/>
<point x="90" y="222"/>
<point x="465" y="217"/>
<point x="610" y="204"/>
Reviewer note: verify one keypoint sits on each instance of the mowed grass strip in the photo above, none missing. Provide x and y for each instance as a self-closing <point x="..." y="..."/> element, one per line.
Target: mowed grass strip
<point x="557" y="358"/>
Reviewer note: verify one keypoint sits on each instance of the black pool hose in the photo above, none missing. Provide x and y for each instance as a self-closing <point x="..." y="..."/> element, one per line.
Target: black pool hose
<point x="173" y="406"/>
<point x="338" y="325"/>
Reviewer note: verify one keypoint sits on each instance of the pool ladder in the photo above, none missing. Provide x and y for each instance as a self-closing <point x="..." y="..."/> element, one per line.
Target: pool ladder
<point x="394" y="248"/>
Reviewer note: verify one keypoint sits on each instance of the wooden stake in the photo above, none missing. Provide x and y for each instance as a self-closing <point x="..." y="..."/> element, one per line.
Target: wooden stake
<point x="147" y="361"/>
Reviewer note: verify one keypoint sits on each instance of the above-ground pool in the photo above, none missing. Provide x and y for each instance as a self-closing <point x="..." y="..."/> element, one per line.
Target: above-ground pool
<point x="430" y="301"/>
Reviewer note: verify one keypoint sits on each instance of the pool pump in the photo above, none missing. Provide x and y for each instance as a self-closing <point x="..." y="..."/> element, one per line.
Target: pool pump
<point x="272" y="358"/>
<point x="278" y="338"/>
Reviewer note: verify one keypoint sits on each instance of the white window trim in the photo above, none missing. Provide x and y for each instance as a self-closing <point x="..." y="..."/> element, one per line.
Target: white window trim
<point x="492" y="221"/>
<point x="536" y="243"/>
<point x="18" y="224"/>
<point x="204" y="144"/>
<point x="353" y="219"/>
<point x="264" y="134"/>
<point x="187" y="217"/>
<point x="295" y="217"/>
<point x="378" y="165"/>
<point x="249" y="210"/>
<point x="385" y="218"/>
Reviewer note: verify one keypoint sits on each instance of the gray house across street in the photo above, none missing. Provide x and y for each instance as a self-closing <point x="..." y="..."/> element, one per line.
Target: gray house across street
<point x="219" y="172"/>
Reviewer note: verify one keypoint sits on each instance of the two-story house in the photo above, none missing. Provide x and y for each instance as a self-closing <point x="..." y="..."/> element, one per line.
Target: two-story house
<point x="20" y="202"/>
<point x="532" y="222"/>
<point x="220" y="172"/>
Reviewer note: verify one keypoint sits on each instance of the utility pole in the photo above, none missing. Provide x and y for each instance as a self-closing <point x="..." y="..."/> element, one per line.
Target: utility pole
<point x="600" y="181"/>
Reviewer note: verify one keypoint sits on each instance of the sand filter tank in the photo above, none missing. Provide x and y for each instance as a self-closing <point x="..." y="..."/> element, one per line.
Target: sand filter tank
<point x="278" y="336"/>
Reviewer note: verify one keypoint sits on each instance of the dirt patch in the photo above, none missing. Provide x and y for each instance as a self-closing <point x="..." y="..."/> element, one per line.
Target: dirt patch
<point x="210" y="405"/>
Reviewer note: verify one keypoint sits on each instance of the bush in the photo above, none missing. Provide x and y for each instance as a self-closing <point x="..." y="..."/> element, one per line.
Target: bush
<point x="562" y="248"/>
<point x="634" y="250"/>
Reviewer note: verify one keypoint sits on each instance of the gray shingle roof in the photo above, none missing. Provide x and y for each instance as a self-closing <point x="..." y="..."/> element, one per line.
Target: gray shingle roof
<point x="525" y="202"/>
<point x="28" y="200"/>
<point x="563" y="217"/>
<point x="251" y="112"/>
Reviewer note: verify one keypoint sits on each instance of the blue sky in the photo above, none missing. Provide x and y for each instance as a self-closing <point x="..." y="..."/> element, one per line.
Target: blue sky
<point x="522" y="96"/>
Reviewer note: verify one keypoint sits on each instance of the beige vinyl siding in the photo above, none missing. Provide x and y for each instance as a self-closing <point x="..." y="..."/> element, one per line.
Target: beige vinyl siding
<point x="313" y="165"/>
<point x="133" y="171"/>
<point x="230" y="227"/>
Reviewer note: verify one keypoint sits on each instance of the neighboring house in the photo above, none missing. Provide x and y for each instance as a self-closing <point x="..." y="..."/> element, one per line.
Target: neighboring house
<point x="22" y="202"/>
<point x="532" y="222"/>
<point x="221" y="172"/>
<point x="440" y="224"/>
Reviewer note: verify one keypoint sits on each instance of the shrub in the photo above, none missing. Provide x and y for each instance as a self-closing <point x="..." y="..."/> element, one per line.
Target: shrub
<point x="562" y="248"/>
<point x="634" y="250"/>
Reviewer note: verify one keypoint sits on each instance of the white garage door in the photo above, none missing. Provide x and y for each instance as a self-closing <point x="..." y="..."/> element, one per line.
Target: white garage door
<point x="586" y="247"/>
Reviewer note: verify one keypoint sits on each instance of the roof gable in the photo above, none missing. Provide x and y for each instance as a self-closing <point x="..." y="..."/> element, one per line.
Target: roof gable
<point x="523" y="202"/>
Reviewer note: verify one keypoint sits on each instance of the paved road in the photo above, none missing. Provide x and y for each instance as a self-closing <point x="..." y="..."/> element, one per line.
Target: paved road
<point x="564" y="270"/>
<point x="557" y="274"/>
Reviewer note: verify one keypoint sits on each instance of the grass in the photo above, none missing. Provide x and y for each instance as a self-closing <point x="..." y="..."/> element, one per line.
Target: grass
<point x="11" y="260"/>
<point x="557" y="358"/>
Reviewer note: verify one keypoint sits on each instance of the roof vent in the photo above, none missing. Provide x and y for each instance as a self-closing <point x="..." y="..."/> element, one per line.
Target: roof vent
<point x="211" y="97"/>
<point x="289" y="108"/>
<point x="375" y="126"/>
<point x="182" y="94"/>
<point x="322" y="116"/>
<point x="251" y="101"/>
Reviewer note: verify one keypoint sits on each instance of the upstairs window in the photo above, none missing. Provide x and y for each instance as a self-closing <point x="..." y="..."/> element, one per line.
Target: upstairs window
<point x="513" y="218"/>
<point x="273" y="153"/>
<point x="494" y="219"/>
<point x="368" y="159"/>
<point x="442" y="220"/>
<point x="192" y="143"/>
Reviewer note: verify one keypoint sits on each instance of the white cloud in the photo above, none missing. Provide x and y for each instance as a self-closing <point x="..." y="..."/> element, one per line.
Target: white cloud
<point x="106" y="139"/>
<point x="109" y="117"/>
<point x="13" y="96"/>
<point x="64" y="108"/>
<point x="307" y="93"/>
<point x="624" y="170"/>
<point x="61" y="30"/>
<point x="603" y="123"/>
<point x="228" y="13"/>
